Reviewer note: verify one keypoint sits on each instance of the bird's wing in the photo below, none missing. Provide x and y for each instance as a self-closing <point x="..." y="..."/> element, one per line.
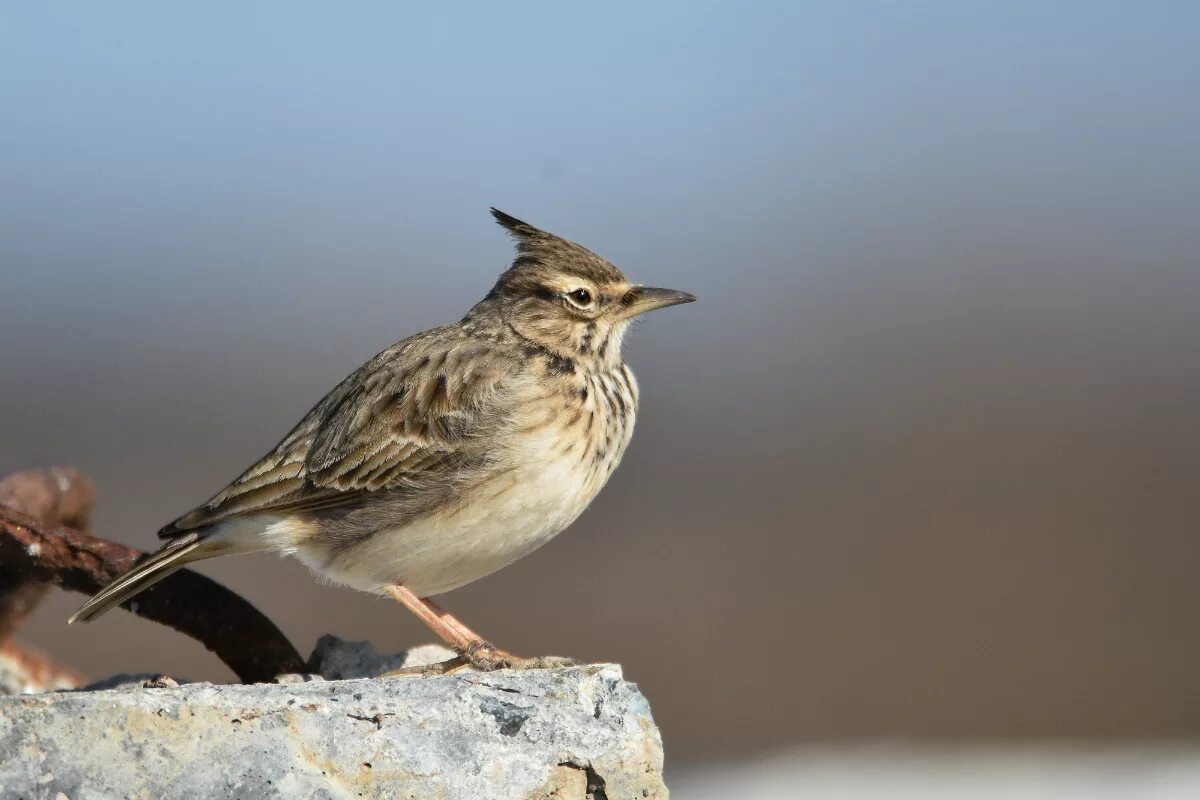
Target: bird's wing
<point x="404" y="418"/>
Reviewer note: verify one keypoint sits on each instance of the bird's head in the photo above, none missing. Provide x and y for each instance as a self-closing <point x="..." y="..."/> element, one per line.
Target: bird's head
<point x="567" y="299"/>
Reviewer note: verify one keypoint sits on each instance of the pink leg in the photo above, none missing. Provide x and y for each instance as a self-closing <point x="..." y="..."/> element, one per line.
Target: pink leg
<point x="479" y="651"/>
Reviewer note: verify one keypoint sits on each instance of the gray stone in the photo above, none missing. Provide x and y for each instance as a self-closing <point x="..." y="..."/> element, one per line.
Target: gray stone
<point x="337" y="659"/>
<point x="568" y="733"/>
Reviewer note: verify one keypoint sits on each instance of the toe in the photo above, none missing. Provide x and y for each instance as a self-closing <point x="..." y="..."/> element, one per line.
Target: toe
<point x="543" y="662"/>
<point x="487" y="657"/>
<point x="438" y="668"/>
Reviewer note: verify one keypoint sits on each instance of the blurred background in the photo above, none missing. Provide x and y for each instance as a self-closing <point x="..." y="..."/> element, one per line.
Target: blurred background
<point x="922" y="464"/>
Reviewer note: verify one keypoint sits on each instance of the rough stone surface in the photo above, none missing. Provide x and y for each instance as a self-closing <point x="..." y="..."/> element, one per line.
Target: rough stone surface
<point x="568" y="733"/>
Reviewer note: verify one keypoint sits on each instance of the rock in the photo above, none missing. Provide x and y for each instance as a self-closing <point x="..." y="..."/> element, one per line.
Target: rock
<point x="578" y="732"/>
<point x="337" y="659"/>
<point x="141" y="680"/>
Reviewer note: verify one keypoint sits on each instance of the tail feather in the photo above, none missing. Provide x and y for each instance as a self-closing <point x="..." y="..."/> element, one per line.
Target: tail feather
<point x="166" y="560"/>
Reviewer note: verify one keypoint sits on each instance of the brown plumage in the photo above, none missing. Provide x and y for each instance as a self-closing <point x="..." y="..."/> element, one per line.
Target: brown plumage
<point x="450" y="454"/>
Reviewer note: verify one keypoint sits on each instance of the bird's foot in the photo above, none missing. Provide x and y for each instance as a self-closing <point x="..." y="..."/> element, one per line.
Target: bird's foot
<point x="485" y="657"/>
<point x="438" y="668"/>
<point x="546" y="662"/>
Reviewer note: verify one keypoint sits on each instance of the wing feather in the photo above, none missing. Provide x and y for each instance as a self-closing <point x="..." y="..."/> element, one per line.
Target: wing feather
<point x="413" y="412"/>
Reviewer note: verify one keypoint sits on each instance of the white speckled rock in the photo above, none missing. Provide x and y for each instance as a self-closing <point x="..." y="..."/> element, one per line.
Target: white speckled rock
<point x="565" y="733"/>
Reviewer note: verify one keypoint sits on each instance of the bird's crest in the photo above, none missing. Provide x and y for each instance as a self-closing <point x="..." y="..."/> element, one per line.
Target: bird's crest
<point x="539" y="248"/>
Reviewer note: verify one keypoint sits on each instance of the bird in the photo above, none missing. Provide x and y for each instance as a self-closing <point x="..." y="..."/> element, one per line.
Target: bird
<point x="447" y="456"/>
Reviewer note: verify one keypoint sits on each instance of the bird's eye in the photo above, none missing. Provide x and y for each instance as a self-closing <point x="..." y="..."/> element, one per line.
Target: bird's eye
<point x="580" y="297"/>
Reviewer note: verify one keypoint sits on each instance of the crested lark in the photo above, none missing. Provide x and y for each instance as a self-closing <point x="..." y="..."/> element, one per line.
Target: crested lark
<point x="447" y="456"/>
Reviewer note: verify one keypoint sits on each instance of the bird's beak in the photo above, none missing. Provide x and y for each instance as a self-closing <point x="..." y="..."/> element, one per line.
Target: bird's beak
<point x="641" y="299"/>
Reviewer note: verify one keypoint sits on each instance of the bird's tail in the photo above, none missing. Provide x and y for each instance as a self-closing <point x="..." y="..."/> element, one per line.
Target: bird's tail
<point x="166" y="560"/>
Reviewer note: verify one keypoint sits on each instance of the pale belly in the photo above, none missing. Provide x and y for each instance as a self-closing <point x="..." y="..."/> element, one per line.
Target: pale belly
<point x="507" y="518"/>
<point x="554" y="475"/>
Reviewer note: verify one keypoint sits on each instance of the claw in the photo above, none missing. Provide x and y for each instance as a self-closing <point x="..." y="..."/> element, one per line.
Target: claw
<point x="547" y="662"/>
<point x="485" y="657"/>
<point x="438" y="668"/>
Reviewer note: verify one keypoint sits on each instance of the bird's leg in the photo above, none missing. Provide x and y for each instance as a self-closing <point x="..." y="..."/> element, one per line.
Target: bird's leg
<point x="471" y="647"/>
<point x="481" y="653"/>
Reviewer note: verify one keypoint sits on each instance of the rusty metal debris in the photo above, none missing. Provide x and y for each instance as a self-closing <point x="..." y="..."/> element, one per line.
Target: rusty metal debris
<point x="44" y="515"/>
